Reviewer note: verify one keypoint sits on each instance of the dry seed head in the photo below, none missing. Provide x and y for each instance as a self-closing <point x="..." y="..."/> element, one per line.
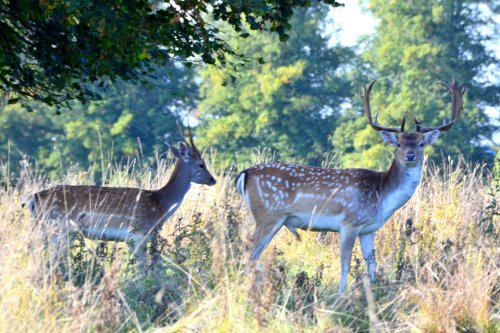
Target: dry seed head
<point x="217" y="260"/>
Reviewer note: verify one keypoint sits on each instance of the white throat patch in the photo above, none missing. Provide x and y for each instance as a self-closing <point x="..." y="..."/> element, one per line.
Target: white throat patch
<point x="393" y="200"/>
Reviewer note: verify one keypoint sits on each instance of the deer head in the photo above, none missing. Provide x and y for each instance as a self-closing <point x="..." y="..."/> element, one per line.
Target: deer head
<point x="410" y="145"/>
<point x="190" y="159"/>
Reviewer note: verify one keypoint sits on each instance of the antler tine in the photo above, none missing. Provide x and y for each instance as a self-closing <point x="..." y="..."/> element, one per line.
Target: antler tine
<point x="191" y="140"/>
<point x="418" y="124"/>
<point x="364" y="93"/>
<point x="181" y="132"/>
<point x="456" y="91"/>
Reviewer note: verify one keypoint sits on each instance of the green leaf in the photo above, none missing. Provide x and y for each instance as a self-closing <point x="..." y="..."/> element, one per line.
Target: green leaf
<point x="284" y="37"/>
<point x="207" y="58"/>
<point x="118" y="39"/>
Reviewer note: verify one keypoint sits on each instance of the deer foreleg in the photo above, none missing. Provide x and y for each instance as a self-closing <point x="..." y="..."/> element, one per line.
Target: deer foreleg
<point x="137" y="247"/>
<point x="347" y="239"/>
<point x="368" y="250"/>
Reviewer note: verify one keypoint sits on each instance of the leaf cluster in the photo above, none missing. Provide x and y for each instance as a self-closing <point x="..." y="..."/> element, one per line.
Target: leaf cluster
<point x="131" y="120"/>
<point x="50" y="51"/>
<point x="288" y="99"/>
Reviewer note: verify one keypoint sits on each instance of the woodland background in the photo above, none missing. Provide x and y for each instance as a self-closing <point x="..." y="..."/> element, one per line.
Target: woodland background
<point x="92" y="90"/>
<point x="296" y="97"/>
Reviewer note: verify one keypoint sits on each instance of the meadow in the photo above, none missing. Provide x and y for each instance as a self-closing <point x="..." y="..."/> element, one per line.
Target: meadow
<point x="438" y="265"/>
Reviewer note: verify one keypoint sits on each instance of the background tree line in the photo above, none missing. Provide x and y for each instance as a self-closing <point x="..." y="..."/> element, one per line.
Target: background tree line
<point x="297" y="97"/>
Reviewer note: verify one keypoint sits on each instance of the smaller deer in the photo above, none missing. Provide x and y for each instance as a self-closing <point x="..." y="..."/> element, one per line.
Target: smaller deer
<point x="132" y="215"/>
<point x="353" y="202"/>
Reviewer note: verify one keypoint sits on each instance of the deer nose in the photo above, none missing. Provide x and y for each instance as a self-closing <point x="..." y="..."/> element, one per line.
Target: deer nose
<point x="410" y="156"/>
<point x="212" y="181"/>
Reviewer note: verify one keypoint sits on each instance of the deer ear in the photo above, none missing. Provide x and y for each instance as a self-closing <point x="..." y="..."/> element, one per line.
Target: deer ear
<point x="389" y="137"/>
<point x="184" y="151"/>
<point x="430" y="137"/>
<point x="174" y="150"/>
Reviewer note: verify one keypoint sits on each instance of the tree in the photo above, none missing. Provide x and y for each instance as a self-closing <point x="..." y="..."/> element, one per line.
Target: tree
<point x="51" y="50"/>
<point x="290" y="103"/>
<point x="130" y="121"/>
<point x="416" y="44"/>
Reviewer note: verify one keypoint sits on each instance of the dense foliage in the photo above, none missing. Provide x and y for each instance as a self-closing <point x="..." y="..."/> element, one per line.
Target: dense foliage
<point x="290" y="103"/>
<point x="130" y="121"/>
<point x="417" y="44"/>
<point x="51" y="50"/>
<point x="296" y="97"/>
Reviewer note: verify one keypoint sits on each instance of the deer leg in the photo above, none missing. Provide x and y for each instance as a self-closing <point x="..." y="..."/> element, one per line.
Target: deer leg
<point x="57" y="249"/>
<point x="263" y="234"/>
<point x="347" y="239"/>
<point x="289" y="225"/>
<point x="59" y="236"/>
<point x="368" y="250"/>
<point x="138" y="250"/>
<point x="57" y="240"/>
<point x="154" y="248"/>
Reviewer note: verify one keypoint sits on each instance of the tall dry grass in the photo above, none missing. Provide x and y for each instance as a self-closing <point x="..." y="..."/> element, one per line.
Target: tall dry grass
<point x="438" y="266"/>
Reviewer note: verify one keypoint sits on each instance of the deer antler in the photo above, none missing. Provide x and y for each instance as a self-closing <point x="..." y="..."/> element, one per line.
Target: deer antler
<point x="364" y="93"/>
<point x="191" y="142"/>
<point x="456" y="91"/>
<point x="181" y="132"/>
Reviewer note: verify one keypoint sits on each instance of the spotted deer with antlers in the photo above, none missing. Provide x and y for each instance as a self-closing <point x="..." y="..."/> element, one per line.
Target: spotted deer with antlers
<point x="353" y="202"/>
<point x="132" y="215"/>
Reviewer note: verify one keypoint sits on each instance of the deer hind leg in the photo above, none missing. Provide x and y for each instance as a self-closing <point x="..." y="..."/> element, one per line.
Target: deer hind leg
<point x="262" y="236"/>
<point x="290" y="226"/>
<point x="347" y="239"/>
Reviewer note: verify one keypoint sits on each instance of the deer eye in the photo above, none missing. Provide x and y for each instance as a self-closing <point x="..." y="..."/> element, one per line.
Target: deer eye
<point x="421" y="144"/>
<point x="399" y="145"/>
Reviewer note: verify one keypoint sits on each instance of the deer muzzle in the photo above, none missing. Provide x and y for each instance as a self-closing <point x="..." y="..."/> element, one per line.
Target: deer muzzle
<point x="410" y="156"/>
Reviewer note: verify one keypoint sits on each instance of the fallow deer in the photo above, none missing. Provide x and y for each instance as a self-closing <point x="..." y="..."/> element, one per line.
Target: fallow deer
<point x="353" y="202"/>
<point x="132" y="215"/>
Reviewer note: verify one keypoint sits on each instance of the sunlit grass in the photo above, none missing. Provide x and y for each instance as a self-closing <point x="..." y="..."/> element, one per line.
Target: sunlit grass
<point x="438" y="259"/>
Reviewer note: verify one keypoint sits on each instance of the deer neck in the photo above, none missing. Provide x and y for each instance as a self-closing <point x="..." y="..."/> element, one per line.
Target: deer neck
<point x="397" y="186"/>
<point x="172" y="194"/>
